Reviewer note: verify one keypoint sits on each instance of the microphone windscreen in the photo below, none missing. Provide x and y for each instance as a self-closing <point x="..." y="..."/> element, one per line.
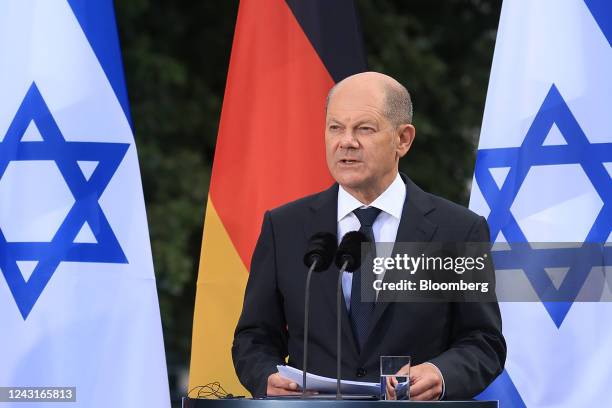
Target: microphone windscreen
<point x="321" y="248"/>
<point x="349" y="250"/>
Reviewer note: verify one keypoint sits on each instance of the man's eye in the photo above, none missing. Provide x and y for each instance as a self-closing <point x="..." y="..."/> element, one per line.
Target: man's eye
<point x="366" y="129"/>
<point x="334" y="127"/>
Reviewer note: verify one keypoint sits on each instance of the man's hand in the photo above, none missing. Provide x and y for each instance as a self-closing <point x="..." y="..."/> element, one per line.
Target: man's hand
<point x="392" y="382"/>
<point x="425" y="383"/>
<point x="278" y="385"/>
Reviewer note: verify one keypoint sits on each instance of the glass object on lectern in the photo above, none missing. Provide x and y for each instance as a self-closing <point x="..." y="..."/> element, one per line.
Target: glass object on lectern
<point x="394" y="377"/>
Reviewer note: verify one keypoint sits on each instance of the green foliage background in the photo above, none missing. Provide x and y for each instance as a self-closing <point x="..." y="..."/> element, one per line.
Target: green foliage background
<point x="176" y="56"/>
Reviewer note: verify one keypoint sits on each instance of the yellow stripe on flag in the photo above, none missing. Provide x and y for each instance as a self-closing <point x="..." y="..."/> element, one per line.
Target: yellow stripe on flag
<point x="221" y="272"/>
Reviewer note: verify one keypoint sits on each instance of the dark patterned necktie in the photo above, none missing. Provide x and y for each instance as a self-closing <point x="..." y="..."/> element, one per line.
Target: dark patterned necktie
<point x="361" y="311"/>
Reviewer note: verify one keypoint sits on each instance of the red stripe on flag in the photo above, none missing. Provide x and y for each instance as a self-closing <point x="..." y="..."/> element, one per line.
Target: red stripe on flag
<point x="270" y="148"/>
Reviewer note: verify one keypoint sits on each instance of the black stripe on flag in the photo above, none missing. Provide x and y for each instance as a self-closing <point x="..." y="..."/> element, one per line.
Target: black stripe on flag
<point x="333" y="29"/>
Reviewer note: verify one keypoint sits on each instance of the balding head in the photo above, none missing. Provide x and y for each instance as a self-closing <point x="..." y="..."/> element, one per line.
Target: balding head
<point x="396" y="99"/>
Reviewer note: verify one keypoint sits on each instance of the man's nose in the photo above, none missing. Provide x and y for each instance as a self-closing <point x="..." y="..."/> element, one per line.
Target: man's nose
<point x="348" y="140"/>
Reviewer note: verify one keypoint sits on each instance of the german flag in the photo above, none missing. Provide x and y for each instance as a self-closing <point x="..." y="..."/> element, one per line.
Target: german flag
<point x="286" y="55"/>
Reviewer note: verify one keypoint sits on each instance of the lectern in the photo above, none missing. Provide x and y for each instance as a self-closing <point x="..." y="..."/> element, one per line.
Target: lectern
<point x="298" y="403"/>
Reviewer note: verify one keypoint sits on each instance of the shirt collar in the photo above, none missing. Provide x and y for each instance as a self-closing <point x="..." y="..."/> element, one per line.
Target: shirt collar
<point x="391" y="201"/>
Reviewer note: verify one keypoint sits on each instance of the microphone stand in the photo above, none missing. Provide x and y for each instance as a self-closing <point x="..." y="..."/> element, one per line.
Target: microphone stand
<point x="339" y="330"/>
<point x="306" y="317"/>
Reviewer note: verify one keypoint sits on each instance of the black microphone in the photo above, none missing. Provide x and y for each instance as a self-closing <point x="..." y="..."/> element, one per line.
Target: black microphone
<point x="348" y="258"/>
<point x="318" y="257"/>
<point x="320" y="251"/>
<point x="348" y="255"/>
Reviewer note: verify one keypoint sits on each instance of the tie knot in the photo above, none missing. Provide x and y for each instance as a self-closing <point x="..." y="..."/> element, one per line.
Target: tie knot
<point x="367" y="216"/>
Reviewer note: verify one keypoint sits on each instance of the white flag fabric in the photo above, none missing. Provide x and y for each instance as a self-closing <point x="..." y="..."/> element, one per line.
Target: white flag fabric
<point x="78" y="300"/>
<point x="543" y="174"/>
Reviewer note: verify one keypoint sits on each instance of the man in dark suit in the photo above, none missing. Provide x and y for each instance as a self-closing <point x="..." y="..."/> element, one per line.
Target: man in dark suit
<point x="457" y="349"/>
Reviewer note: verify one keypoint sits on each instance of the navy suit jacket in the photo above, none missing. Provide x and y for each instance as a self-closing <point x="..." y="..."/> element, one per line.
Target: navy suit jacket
<point x="464" y="340"/>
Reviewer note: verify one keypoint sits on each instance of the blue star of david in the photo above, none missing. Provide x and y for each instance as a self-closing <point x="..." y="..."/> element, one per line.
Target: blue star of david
<point x="85" y="209"/>
<point x="532" y="152"/>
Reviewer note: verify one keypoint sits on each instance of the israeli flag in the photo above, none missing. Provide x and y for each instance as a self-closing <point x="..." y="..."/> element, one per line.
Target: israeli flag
<point x="543" y="174"/>
<point x="78" y="302"/>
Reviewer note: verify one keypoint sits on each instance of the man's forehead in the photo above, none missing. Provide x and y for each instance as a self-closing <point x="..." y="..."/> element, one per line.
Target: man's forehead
<point x="353" y="113"/>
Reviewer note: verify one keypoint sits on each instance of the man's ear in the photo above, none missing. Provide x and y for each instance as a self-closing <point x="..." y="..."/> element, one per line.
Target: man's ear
<point x="406" y="134"/>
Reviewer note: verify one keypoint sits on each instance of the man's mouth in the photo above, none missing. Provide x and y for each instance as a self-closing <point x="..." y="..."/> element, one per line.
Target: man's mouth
<point x="348" y="161"/>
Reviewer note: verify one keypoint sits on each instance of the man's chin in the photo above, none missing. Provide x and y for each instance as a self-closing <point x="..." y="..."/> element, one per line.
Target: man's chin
<point x="351" y="183"/>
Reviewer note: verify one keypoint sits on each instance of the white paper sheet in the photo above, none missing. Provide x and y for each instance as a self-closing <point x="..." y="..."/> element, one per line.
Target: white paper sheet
<point x="326" y="385"/>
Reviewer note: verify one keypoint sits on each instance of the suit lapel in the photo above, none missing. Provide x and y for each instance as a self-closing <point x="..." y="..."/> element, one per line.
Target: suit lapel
<point x="324" y="218"/>
<point x="413" y="227"/>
